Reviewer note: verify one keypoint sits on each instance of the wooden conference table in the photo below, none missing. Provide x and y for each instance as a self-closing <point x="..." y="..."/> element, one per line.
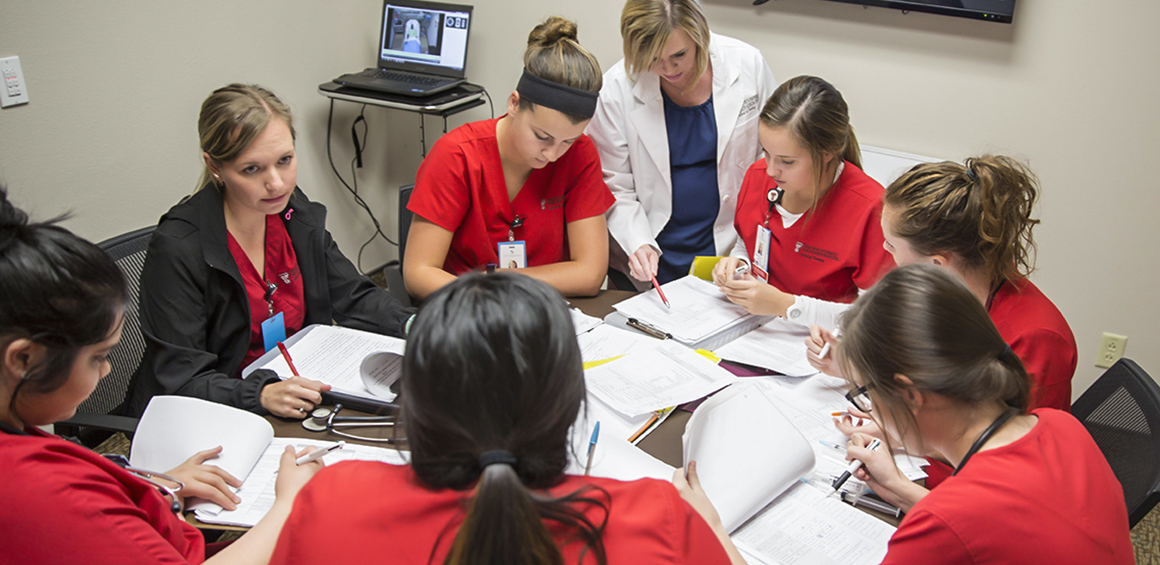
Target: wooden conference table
<point x="664" y="442"/>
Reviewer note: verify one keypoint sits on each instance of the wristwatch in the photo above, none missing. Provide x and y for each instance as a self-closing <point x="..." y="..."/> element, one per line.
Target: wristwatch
<point x="795" y="310"/>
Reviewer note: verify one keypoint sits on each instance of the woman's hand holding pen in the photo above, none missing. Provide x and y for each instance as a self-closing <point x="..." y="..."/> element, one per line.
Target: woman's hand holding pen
<point x="724" y="269"/>
<point x="293" y="398"/>
<point x="643" y="263"/>
<point x="755" y="296"/>
<point x="292" y="476"/>
<point x="815" y="346"/>
<point x="207" y="481"/>
<point x="880" y="473"/>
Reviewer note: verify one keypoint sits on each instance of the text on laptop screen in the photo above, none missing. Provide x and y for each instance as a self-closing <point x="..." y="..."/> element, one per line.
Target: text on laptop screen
<point x="432" y="37"/>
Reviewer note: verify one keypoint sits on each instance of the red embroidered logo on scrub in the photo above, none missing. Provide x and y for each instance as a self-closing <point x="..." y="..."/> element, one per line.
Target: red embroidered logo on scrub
<point x="816" y="253"/>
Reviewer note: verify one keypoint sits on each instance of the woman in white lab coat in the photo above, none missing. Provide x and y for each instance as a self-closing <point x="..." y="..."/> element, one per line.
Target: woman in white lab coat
<point x="676" y="128"/>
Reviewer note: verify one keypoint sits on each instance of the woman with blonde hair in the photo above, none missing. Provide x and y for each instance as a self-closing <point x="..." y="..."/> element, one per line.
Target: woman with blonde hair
<point x="676" y="128"/>
<point x="807" y="216"/>
<point x="975" y="220"/>
<point x="243" y="263"/>
<point x="525" y="187"/>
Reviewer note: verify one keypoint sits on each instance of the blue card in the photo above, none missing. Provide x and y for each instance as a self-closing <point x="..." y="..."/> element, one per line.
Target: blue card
<point x="273" y="331"/>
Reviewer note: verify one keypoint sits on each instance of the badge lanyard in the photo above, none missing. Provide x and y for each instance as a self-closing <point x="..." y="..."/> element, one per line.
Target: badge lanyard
<point x="761" y="241"/>
<point x="512" y="253"/>
<point x="774" y="197"/>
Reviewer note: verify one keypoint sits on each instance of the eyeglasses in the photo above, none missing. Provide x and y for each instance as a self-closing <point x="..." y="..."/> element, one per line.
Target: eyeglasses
<point x="860" y="398"/>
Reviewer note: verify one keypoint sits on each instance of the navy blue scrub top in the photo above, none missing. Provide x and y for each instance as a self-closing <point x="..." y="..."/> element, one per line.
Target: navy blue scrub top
<point x="692" y="135"/>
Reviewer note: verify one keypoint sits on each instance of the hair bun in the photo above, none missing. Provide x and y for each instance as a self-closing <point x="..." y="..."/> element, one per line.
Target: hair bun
<point x="552" y="31"/>
<point x="10" y="216"/>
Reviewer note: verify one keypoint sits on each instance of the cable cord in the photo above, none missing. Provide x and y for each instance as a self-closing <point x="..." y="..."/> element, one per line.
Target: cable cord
<point x="359" y="148"/>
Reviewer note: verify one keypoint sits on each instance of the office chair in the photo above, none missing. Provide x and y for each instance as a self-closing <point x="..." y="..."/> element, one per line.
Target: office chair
<point x="96" y="417"/>
<point x="702" y="267"/>
<point x="1121" y="411"/>
<point x="394" y="272"/>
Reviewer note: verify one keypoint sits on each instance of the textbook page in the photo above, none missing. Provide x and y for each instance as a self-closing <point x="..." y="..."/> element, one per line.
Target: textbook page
<point x="746" y="451"/>
<point x="699" y="309"/>
<point x="174" y="428"/>
<point x="809" y="405"/>
<point x="605" y="342"/>
<point x="778" y="345"/>
<point x="333" y="354"/>
<point x="806" y="527"/>
<point x="666" y="375"/>
<point x="257" y="492"/>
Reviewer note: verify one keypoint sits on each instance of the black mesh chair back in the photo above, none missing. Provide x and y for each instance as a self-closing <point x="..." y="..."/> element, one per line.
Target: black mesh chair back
<point x="128" y="251"/>
<point x="393" y="273"/>
<point x="1121" y="411"/>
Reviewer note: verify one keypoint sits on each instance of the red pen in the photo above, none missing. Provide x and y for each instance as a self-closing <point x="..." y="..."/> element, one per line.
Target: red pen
<point x="289" y="361"/>
<point x="657" y="286"/>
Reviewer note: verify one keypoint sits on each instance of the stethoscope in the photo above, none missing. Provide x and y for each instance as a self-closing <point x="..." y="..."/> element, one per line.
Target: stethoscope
<point x="323" y="419"/>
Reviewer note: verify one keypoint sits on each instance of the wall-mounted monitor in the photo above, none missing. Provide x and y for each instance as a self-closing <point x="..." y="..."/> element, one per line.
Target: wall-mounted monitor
<point x="989" y="10"/>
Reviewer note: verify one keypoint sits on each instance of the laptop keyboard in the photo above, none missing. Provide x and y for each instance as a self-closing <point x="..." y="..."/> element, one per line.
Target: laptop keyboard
<point x="403" y="77"/>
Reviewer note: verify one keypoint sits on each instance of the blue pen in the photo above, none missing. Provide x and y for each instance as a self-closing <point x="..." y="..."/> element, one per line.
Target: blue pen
<point x="592" y="448"/>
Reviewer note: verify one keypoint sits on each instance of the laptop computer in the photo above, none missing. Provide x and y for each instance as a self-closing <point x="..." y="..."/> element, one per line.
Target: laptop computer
<point x="423" y="49"/>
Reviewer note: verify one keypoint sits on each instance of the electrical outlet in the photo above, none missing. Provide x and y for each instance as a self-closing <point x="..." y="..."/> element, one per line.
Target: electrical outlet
<point x="1111" y="349"/>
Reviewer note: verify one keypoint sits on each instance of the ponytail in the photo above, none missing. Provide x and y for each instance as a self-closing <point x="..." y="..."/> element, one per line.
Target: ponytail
<point x="980" y="211"/>
<point x="505" y="523"/>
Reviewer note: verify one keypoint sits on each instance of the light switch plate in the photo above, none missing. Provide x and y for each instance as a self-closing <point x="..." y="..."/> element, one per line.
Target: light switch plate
<point x="14" y="90"/>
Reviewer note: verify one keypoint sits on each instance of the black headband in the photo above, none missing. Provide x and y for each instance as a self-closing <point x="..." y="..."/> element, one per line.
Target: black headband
<point x="556" y="96"/>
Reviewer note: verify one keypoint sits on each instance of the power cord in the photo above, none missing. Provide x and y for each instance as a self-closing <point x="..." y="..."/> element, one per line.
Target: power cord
<point x="359" y="147"/>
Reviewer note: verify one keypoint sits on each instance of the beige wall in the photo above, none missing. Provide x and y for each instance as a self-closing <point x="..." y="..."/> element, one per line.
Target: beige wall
<point x="1072" y="87"/>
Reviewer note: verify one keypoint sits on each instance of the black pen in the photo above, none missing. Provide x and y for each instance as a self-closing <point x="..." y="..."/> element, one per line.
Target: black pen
<point x="649" y="329"/>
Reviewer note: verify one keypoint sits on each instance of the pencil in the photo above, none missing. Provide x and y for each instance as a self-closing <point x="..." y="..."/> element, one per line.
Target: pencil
<point x="656" y="416"/>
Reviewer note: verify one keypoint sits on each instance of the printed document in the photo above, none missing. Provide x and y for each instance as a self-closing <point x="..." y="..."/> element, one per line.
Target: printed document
<point x="666" y="375"/>
<point x="699" y="309"/>
<point x="778" y="345"/>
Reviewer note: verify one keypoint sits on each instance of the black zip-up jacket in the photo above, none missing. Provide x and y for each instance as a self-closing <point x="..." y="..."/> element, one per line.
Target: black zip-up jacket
<point x="194" y="312"/>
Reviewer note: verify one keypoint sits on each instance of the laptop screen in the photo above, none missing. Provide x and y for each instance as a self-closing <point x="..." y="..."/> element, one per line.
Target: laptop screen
<point x="425" y="36"/>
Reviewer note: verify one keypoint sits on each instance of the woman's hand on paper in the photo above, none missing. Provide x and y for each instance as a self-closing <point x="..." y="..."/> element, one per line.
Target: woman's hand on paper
<point x="755" y="296"/>
<point x="292" y="476"/>
<point x="293" y="398"/>
<point x="882" y="475"/>
<point x="689" y="487"/>
<point x="819" y="337"/>
<point x="207" y="481"/>
<point x="643" y="262"/>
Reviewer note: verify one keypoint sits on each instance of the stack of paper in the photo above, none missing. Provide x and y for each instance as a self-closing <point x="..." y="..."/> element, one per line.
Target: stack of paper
<point x="335" y="356"/>
<point x="699" y="312"/>
<point x="778" y="345"/>
<point x="174" y="428"/>
<point x="666" y="375"/>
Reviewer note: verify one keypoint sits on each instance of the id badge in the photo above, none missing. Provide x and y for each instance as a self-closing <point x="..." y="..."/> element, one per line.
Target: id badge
<point x="512" y="255"/>
<point x="761" y="253"/>
<point x="273" y="331"/>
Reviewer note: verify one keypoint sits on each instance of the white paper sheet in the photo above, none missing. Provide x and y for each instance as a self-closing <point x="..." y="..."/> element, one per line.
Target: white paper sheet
<point x="257" y="492"/>
<point x="778" y="345"/>
<point x="805" y="527"/>
<point x="699" y="309"/>
<point x="174" y="428"/>
<point x="667" y="375"/>
<point x="746" y="451"/>
<point x="583" y="322"/>
<point x="605" y="342"/>
<point x="332" y="354"/>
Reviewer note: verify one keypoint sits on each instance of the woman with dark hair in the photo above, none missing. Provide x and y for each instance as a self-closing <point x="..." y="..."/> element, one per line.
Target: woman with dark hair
<point x="492" y="381"/>
<point x="808" y="216"/>
<point x="61" y="313"/>
<point x="931" y="369"/>
<point x="243" y="263"/>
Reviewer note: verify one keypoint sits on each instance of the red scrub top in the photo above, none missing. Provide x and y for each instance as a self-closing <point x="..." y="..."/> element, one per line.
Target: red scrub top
<point x="282" y="272"/>
<point x="1040" y="336"/>
<point x="370" y="512"/>
<point x="831" y="251"/>
<point x="460" y="187"/>
<point x="65" y="504"/>
<point x="1048" y="497"/>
